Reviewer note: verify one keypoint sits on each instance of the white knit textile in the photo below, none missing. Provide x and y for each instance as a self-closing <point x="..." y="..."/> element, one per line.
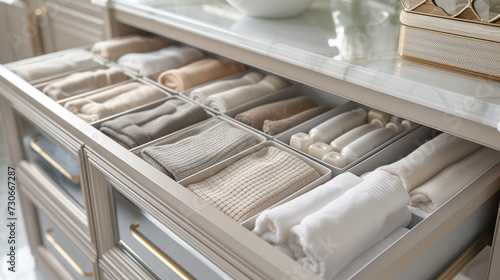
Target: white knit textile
<point x="226" y="100"/>
<point x="329" y="239"/>
<point x="436" y="191"/>
<point x="150" y="63"/>
<point x="201" y="94"/>
<point x="274" y="224"/>
<point x="255" y="182"/>
<point x="198" y="148"/>
<point x="430" y="158"/>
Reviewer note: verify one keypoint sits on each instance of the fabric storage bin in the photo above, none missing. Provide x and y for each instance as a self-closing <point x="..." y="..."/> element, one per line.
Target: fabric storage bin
<point x="285" y="137"/>
<point x="66" y="62"/>
<point x="324" y="173"/>
<point x="456" y="36"/>
<point x="156" y="247"/>
<point x="297" y="90"/>
<point x="77" y="264"/>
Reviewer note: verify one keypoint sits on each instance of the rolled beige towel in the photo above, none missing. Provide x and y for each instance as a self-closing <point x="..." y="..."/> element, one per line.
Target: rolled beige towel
<point x="114" y="48"/>
<point x="255" y="183"/>
<point x="198" y="72"/>
<point x="229" y="99"/>
<point x="83" y="82"/>
<point x="113" y="101"/>
<point x="279" y="110"/>
<point x="274" y="127"/>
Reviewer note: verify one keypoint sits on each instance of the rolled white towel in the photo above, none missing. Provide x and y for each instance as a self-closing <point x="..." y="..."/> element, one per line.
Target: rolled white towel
<point x="226" y="100"/>
<point x="328" y="130"/>
<point x="201" y="94"/>
<point x="150" y="63"/>
<point x="436" y="191"/>
<point x="329" y="239"/>
<point x="430" y="158"/>
<point x="274" y="224"/>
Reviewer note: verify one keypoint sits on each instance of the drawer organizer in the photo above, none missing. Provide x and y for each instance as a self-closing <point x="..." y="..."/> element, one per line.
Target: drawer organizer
<point x="462" y="35"/>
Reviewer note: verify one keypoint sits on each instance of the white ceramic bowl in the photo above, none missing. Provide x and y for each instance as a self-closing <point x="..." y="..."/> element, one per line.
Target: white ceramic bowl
<point x="271" y="8"/>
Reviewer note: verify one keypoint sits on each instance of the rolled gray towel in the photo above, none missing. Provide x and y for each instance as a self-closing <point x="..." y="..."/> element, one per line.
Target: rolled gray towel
<point x="198" y="148"/>
<point x="132" y="130"/>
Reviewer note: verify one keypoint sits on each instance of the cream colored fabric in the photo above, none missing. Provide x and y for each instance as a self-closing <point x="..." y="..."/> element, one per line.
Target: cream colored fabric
<point x="436" y="191"/>
<point x="429" y="159"/>
<point x="83" y="82"/>
<point x="273" y="127"/>
<point x="201" y="94"/>
<point x="226" y="100"/>
<point x="114" y="48"/>
<point x="54" y="66"/>
<point x="113" y="101"/>
<point x="198" y="72"/>
<point x="255" y="183"/>
<point x="150" y="63"/>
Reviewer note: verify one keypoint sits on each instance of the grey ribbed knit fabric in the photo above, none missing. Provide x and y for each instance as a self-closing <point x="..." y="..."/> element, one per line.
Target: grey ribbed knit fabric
<point x="255" y="183"/>
<point x="132" y="130"/>
<point x="198" y="148"/>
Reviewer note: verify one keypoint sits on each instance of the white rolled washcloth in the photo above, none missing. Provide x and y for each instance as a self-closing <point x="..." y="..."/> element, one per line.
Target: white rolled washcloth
<point x="150" y="63"/>
<point x="274" y="224"/>
<point x="329" y="239"/>
<point x="226" y="100"/>
<point x="201" y="94"/>
<point x="430" y="158"/>
<point x="433" y="193"/>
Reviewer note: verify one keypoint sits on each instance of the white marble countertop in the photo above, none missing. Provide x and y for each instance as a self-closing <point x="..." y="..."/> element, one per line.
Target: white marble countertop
<point x="352" y="40"/>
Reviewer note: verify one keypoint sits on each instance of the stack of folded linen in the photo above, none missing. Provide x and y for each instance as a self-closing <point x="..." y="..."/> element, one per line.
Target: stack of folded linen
<point x="279" y="116"/>
<point x="134" y="129"/>
<point x="113" y="101"/>
<point x="81" y="82"/>
<point x="114" y="48"/>
<point x="197" y="148"/>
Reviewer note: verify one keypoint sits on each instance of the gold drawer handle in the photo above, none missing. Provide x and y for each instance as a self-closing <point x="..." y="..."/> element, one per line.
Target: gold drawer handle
<point x="65" y="255"/>
<point x="158" y="253"/>
<point x="53" y="162"/>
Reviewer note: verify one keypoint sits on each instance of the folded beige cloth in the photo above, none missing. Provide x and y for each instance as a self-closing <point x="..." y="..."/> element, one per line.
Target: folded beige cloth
<point x="255" y="183"/>
<point x="83" y="82"/>
<point x="226" y="100"/>
<point x="274" y="127"/>
<point x="55" y="66"/>
<point x="113" y="101"/>
<point x="436" y="191"/>
<point x="114" y="48"/>
<point x="255" y="117"/>
<point x="430" y="158"/>
<point x="201" y="94"/>
<point x="198" y="72"/>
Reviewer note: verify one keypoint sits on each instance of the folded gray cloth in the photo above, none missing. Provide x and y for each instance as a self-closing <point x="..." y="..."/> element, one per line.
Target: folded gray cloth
<point x="132" y="130"/>
<point x="198" y="148"/>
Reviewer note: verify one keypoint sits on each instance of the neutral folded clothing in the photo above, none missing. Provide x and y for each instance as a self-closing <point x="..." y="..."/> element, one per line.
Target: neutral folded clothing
<point x="279" y="110"/>
<point x="437" y="190"/>
<point x="329" y="239"/>
<point x="273" y="127"/>
<point x="274" y="224"/>
<point x="226" y="100"/>
<point x="54" y="66"/>
<point x="255" y="182"/>
<point x="198" y="148"/>
<point x="114" y="48"/>
<point x="429" y="159"/>
<point x="201" y="94"/>
<point x="198" y="72"/>
<point x="83" y="82"/>
<point x="150" y="63"/>
<point x="370" y="254"/>
<point x="113" y="101"/>
<point x="132" y="130"/>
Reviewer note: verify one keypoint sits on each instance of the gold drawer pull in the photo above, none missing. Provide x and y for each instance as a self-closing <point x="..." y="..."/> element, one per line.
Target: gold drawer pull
<point x="53" y="162"/>
<point x="159" y="254"/>
<point x="65" y="255"/>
